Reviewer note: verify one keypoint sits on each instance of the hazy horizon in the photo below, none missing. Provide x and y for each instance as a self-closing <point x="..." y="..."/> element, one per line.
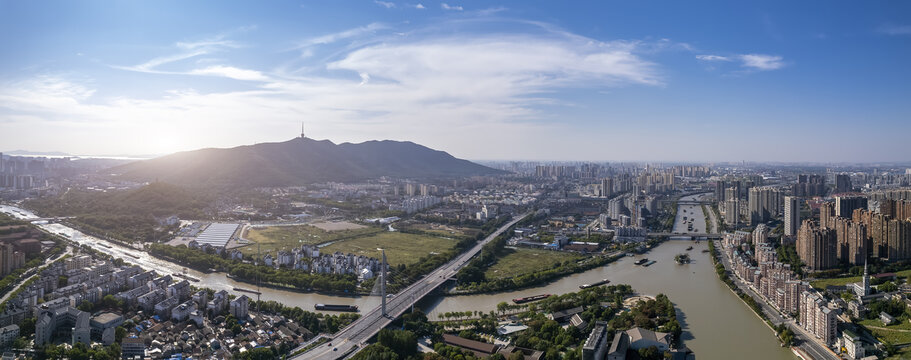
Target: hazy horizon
<point x="814" y="82"/>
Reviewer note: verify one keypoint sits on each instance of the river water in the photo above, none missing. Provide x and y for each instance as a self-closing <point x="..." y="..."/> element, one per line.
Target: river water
<point x="717" y="325"/>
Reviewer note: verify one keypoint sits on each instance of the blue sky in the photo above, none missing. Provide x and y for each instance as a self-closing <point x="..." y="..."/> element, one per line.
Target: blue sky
<point x="675" y="81"/>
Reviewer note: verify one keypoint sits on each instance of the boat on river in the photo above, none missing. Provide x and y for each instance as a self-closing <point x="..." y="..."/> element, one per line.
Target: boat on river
<point x="335" y="307"/>
<point x="649" y="263"/>
<point x="526" y="299"/>
<point x="689" y="248"/>
<point x="185" y="276"/>
<point x="641" y="261"/>
<point x="250" y="291"/>
<point x="599" y="283"/>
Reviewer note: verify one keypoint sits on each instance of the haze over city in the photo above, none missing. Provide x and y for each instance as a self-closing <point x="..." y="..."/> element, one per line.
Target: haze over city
<point x="678" y="81"/>
<point x="455" y="180"/>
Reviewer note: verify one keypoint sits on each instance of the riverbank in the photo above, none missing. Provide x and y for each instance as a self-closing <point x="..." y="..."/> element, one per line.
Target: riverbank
<point x="539" y="278"/>
<point x="751" y="303"/>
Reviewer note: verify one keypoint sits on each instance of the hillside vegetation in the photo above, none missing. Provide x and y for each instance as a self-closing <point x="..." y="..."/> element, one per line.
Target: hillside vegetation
<point x="130" y="215"/>
<point x="300" y="161"/>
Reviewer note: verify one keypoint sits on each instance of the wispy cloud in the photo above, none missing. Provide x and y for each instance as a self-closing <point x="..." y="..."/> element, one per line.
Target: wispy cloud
<point x="189" y="49"/>
<point x="420" y="6"/>
<point x="491" y="11"/>
<point x="751" y="62"/>
<point x="230" y="72"/>
<point x="892" y="29"/>
<point x="385" y="4"/>
<point x="446" y="6"/>
<point x="713" y="58"/>
<point x="762" y="62"/>
<point x="342" y="35"/>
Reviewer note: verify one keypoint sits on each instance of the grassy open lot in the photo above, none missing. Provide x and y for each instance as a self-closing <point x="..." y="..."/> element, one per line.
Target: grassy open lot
<point x="525" y="261"/>
<point x="275" y="238"/>
<point x="444" y="230"/>
<point x="896" y="334"/>
<point x="822" y="283"/>
<point x="400" y="248"/>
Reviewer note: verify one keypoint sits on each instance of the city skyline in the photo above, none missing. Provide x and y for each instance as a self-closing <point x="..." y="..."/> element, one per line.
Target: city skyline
<point x="483" y="81"/>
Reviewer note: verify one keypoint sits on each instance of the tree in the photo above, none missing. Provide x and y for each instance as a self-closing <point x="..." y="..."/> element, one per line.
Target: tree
<point x="119" y="333"/>
<point x="376" y="352"/>
<point x="888" y="286"/>
<point x="85" y="306"/>
<point x="787" y="337"/>
<point x="402" y="342"/>
<point x="650" y="353"/>
<point x="27" y="327"/>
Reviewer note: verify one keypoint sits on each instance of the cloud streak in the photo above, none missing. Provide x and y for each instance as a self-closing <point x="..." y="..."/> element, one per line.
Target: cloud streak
<point x="762" y="62"/>
<point x="892" y="29"/>
<point x="385" y="4"/>
<point x="754" y="62"/>
<point x="446" y="6"/>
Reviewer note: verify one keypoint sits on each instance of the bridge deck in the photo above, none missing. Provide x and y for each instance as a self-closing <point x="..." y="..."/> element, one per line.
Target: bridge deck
<point x="353" y="337"/>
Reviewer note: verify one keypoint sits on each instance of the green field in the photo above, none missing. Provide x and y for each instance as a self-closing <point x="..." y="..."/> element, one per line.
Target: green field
<point x="525" y="261"/>
<point x="401" y="248"/>
<point x="275" y="238"/>
<point x="896" y="334"/>
<point x="822" y="283"/>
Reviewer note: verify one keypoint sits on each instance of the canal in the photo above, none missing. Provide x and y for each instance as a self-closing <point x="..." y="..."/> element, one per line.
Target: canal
<point x="717" y="325"/>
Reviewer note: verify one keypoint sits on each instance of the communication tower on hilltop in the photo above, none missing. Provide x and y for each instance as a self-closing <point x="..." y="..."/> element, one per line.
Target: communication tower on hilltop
<point x="302" y="131"/>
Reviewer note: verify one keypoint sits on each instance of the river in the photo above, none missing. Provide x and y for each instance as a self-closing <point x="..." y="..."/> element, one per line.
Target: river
<point x="717" y="325"/>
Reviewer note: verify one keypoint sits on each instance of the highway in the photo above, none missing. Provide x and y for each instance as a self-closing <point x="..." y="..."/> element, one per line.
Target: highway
<point x="353" y="337"/>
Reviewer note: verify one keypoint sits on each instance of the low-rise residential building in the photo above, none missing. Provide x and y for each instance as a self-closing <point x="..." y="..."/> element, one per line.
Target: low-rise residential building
<point x="640" y="338"/>
<point x="133" y="347"/>
<point x="103" y="326"/>
<point x="595" y="345"/>
<point x="8" y="334"/>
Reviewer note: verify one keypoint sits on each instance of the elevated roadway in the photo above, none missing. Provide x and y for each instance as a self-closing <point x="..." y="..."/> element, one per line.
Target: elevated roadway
<point x="355" y="336"/>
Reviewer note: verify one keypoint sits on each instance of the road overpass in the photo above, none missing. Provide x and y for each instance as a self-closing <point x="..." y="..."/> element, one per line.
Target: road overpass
<point x="355" y="336"/>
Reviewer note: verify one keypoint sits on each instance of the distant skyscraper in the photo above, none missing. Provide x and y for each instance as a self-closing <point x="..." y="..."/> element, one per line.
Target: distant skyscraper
<point x="845" y="205"/>
<point x="754" y="206"/>
<point x="607" y="187"/>
<point x="791" y="215"/>
<point x="731" y="211"/>
<point x="817" y="246"/>
<point x="843" y="183"/>
<point x="764" y="203"/>
<point x="809" y="185"/>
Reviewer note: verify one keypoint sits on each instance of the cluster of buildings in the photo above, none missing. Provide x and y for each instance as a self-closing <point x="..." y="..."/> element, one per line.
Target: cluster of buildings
<point x="630" y="209"/>
<point x="19" y="243"/>
<point x="163" y="311"/>
<point x="414" y="204"/>
<point x="848" y="232"/>
<point x="598" y="346"/>
<point x="778" y="285"/>
<point x="307" y="258"/>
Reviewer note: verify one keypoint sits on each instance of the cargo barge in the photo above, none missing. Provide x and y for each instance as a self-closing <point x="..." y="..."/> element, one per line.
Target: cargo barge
<point x="247" y="291"/>
<point x="335" y="307"/>
<point x="599" y="283"/>
<point x="530" y="298"/>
